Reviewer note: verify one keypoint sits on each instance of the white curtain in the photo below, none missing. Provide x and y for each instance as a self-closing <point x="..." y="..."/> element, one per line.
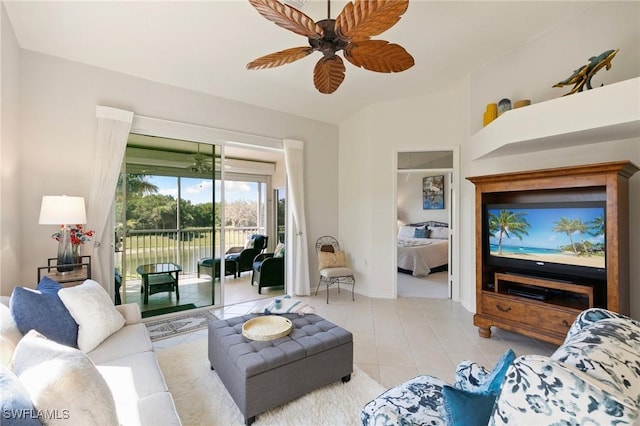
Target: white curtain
<point x="112" y="132"/>
<point x="297" y="250"/>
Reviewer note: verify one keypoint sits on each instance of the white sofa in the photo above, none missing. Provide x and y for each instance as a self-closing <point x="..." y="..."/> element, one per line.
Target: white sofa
<point x="125" y="360"/>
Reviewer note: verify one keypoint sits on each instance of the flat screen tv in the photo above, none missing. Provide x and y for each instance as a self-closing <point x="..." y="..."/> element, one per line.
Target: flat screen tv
<point x="557" y="239"/>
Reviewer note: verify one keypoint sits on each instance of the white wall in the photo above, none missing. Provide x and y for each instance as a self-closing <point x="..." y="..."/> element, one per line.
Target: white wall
<point x="529" y="72"/>
<point x="410" y="209"/>
<point x="451" y="116"/>
<point x="58" y="100"/>
<point x="10" y="185"/>
<point x="371" y="140"/>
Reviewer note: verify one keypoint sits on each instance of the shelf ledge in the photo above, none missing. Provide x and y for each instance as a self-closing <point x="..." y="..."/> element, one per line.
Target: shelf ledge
<point x="602" y="114"/>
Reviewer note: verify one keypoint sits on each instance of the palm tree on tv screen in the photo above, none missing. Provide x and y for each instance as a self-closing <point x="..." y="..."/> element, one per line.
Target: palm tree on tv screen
<point x="597" y="226"/>
<point x="508" y="223"/>
<point x="569" y="227"/>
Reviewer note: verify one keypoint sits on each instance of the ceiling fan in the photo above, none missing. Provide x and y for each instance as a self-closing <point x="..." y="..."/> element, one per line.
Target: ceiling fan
<point x="202" y="163"/>
<point x="350" y="32"/>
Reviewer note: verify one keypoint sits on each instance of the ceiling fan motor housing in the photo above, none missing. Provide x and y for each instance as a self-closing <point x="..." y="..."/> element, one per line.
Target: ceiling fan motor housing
<point x="330" y="42"/>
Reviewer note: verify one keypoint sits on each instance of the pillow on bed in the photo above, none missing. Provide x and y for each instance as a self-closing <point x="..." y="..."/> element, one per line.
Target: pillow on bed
<point x="441" y="233"/>
<point x="422" y="233"/>
<point x="407" y="231"/>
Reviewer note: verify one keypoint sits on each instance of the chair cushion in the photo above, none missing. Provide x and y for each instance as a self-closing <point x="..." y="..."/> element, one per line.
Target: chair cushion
<point x="233" y="256"/>
<point x="259" y="241"/>
<point x="336" y="272"/>
<point x="331" y="260"/>
<point x="206" y="261"/>
<point x="42" y="310"/>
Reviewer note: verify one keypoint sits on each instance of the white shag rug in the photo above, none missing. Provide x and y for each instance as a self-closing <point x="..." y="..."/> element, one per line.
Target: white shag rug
<point x="201" y="398"/>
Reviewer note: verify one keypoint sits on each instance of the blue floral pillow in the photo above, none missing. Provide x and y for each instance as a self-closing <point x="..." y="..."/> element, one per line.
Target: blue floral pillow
<point x="43" y="311"/>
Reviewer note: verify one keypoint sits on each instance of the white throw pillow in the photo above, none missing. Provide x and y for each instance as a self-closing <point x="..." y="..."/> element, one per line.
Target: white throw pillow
<point x="90" y="306"/>
<point x="407" y="231"/>
<point x="63" y="383"/>
<point x="439" y="232"/>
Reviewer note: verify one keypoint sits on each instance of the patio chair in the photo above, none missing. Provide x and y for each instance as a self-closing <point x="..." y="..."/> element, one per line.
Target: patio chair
<point x="244" y="256"/>
<point x="268" y="270"/>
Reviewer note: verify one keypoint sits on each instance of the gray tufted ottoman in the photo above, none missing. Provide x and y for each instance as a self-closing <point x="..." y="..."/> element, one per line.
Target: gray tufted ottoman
<point x="262" y="375"/>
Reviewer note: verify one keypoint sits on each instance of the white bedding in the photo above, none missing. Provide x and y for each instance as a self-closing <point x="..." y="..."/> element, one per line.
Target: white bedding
<point x="420" y="255"/>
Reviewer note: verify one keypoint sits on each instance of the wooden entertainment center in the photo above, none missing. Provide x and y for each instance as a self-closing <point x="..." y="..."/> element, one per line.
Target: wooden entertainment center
<point x="509" y="299"/>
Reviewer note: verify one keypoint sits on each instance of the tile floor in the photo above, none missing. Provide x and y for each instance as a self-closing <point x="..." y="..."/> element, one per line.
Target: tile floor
<point x="395" y="340"/>
<point x="198" y="291"/>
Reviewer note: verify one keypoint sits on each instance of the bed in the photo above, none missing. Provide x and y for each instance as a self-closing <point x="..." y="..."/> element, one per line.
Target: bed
<point x="423" y="248"/>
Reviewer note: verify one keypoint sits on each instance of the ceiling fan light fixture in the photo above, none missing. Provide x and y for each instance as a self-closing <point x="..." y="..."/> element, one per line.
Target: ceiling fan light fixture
<point x="350" y="32"/>
<point x="202" y="163"/>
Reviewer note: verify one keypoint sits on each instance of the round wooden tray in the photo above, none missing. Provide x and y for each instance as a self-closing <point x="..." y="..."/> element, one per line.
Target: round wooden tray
<point x="268" y="327"/>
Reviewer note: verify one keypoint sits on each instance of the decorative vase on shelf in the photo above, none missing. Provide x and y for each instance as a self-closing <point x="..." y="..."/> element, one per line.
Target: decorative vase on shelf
<point x="76" y="255"/>
<point x="65" y="252"/>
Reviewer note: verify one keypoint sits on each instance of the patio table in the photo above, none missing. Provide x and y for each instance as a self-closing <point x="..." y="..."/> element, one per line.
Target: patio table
<point x="158" y="277"/>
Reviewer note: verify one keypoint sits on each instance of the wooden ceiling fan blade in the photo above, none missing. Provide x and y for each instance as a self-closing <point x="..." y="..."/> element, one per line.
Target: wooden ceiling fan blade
<point x="379" y="56"/>
<point x="367" y="18"/>
<point x="277" y="59"/>
<point x="288" y="17"/>
<point x="328" y="74"/>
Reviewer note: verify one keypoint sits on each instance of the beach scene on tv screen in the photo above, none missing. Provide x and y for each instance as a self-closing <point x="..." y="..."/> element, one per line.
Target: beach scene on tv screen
<point x="573" y="235"/>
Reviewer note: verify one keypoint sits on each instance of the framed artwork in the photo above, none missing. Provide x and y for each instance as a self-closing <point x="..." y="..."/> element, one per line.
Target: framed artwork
<point x="433" y="192"/>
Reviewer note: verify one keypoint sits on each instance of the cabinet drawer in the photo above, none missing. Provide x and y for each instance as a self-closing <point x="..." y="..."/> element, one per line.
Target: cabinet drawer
<point x="545" y="316"/>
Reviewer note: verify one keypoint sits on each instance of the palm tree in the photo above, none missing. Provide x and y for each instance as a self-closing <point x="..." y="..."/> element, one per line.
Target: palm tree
<point x="138" y="185"/>
<point x="597" y="226"/>
<point x="508" y="223"/>
<point x="569" y="226"/>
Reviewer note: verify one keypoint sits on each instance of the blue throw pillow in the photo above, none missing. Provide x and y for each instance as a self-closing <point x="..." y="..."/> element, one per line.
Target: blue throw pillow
<point x="16" y="406"/>
<point x="43" y="311"/>
<point x="463" y="408"/>
<point x="494" y="379"/>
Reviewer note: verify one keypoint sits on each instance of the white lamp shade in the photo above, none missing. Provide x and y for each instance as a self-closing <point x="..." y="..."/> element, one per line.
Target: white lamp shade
<point x="62" y="210"/>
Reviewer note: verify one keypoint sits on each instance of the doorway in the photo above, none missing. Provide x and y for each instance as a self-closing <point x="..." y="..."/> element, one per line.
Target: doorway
<point x="191" y="204"/>
<point x="426" y="241"/>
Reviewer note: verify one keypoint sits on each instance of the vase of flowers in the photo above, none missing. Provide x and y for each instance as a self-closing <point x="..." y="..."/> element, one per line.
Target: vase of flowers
<point x="78" y="237"/>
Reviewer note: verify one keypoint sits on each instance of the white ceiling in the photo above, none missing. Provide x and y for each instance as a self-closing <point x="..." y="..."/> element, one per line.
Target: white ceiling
<point x="205" y="46"/>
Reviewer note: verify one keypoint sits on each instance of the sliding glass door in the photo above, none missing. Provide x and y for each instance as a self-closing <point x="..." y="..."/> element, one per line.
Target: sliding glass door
<point x="168" y="226"/>
<point x="183" y="206"/>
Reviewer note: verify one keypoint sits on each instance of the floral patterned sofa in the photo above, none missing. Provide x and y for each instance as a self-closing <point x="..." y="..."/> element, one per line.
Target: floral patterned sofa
<point x="592" y="378"/>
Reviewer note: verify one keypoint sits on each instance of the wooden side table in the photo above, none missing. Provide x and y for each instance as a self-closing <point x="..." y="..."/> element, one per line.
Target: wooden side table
<point x="81" y="272"/>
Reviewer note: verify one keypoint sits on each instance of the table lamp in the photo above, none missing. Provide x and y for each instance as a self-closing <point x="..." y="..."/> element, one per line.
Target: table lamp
<point x="63" y="210"/>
